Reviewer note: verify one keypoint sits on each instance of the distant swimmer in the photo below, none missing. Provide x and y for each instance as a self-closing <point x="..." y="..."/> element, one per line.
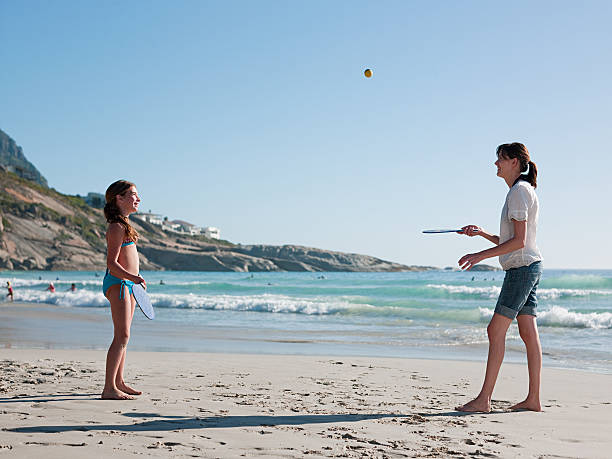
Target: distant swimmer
<point x="161" y="282"/>
<point x="51" y="288"/>
<point x="72" y="288"/>
<point x="521" y="259"/>
<point x="10" y="290"/>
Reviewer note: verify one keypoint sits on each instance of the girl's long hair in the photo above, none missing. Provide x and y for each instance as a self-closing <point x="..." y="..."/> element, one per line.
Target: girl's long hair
<point x="529" y="171"/>
<point x="112" y="212"/>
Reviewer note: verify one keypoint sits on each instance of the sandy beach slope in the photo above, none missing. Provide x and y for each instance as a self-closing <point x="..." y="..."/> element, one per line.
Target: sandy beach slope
<point x="224" y="405"/>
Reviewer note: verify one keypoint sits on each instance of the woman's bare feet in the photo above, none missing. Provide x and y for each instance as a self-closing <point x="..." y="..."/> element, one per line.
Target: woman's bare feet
<point x="478" y="405"/>
<point x="123" y="387"/>
<point x="115" y="394"/>
<point x="527" y="405"/>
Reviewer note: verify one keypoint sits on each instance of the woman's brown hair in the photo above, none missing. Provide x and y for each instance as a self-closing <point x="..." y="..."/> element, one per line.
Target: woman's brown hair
<point x="112" y="212"/>
<point x="529" y="171"/>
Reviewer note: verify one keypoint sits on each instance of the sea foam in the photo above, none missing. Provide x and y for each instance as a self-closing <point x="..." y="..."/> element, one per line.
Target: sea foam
<point x="558" y="316"/>
<point x="543" y="293"/>
<point x="258" y="303"/>
<point x="78" y="298"/>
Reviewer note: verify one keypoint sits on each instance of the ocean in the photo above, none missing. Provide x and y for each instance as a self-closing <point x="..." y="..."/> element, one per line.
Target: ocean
<point x="433" y="314"/>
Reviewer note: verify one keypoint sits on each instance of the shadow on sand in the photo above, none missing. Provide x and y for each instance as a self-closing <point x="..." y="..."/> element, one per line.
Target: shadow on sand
<point x="166" y="423"/>
<point x="49" y="398"/>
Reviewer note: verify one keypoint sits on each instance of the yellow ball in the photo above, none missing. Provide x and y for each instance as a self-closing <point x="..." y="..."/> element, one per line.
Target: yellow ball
<point x="367" y="73"/>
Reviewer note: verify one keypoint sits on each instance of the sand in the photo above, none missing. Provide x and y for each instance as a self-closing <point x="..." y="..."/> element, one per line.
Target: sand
<point x="227" y="405"/>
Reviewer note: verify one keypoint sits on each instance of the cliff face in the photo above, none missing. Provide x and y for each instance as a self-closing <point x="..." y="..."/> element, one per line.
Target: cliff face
<point x="43" y="229"/>
<point x="12" y="159"/>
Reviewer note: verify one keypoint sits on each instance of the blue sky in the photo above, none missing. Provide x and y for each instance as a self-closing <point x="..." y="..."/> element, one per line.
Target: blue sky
<point x="255" y="117"/>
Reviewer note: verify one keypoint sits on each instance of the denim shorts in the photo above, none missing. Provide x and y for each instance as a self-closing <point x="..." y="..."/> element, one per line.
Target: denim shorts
<point x="518" y="293"/>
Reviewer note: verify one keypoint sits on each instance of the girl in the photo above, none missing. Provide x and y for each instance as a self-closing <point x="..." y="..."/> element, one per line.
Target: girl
<point x="521" y="259"/>
<point x="122" y="272"/>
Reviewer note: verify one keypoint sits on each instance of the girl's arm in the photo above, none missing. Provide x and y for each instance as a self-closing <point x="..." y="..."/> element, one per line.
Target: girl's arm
<point x="516" y="243"/>
<point x="114" y="239"/>
<point x="473" y="230"/>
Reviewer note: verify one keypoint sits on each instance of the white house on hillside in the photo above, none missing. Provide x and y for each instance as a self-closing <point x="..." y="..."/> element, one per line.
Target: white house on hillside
<point x="212" y="233"/>
<point x="154" y="219"/>
<point x="178" y="226"/>
<point x="169" y="226"/>
<point x="188" y="228"/>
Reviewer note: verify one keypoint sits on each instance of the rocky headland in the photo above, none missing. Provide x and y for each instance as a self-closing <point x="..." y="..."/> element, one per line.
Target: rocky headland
<point x="43" y="229"/>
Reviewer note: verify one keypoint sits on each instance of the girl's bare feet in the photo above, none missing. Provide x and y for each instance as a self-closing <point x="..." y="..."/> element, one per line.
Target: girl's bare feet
<point x="527" y="405"/>
<point x="477" y="405"/>
<point x="115" y="394"/>
<point x="123" y="387"/>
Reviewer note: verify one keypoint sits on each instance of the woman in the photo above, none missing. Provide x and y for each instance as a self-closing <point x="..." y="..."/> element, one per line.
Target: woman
<point x="521" y="259"/>
<point x="121" y="274"/>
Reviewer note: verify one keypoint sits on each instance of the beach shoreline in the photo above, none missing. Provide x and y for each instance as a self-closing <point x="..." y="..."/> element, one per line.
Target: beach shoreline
<point x="44" y="326"/>
<point x="233" y="405"/>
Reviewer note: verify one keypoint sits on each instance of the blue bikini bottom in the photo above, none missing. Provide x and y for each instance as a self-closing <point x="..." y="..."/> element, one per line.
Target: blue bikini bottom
<point x="110" y="280"/>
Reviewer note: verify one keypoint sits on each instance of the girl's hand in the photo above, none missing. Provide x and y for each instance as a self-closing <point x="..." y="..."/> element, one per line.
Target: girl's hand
<point x="140" y="280"/>
<point x="471" y="230"/>
<point x="468" y="261"/>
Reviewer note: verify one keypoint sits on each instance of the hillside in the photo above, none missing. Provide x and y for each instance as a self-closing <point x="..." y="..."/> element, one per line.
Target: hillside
<point x="12" y="159"/>
<point x="41" y="228"/>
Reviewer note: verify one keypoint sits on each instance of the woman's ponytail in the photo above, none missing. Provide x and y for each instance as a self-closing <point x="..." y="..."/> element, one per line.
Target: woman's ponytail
<point x="532" y="174"/>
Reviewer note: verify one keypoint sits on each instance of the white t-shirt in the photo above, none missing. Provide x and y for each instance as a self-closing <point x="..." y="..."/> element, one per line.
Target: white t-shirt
<point x="521" y="205"/>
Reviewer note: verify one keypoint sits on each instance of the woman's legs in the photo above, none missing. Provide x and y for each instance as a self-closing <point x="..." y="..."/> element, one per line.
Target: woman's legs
<point x="121" y="310"/>
<point x="528" y="329"/>
<point x="119" y="382"/>
<point x="497" y="346"/>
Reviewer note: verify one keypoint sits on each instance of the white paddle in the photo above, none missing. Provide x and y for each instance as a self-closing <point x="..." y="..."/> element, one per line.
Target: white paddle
<point x="143" y="301"/>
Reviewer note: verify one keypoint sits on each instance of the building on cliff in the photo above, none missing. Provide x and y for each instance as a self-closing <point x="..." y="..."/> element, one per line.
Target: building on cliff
<point x="154" y="219"/>
<point x="178" y="226"/>
<point x="188" y="228"/>
<point x="212" y="233"/>
<point x="96" y="200"/>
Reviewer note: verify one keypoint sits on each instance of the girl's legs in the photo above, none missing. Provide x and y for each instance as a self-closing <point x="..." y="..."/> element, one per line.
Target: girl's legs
<point x="119" y="382"/>
<point x="497" y="346"/>
<point x="121" y="310"/>
<point x="528" y="329"/>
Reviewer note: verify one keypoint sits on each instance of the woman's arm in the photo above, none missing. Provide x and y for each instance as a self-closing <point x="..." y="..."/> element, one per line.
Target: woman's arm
<point x="114" y="239"/>
<point x="516" y="243"/>
<point x="473" y="230"/>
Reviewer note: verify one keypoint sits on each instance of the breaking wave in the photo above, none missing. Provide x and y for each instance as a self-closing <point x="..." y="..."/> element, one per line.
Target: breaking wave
<point x="558" y="316"/>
